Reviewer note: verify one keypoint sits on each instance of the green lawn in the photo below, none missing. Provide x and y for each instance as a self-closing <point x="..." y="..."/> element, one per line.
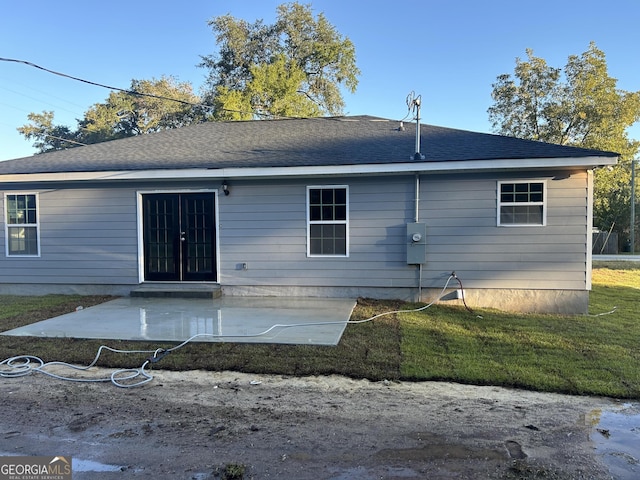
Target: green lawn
<point x="596" y="354"/>
<point x="586" y="355"/>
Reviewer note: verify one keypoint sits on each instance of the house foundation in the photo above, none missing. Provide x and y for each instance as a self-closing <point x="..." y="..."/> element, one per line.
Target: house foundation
<point x="564" y="302"/>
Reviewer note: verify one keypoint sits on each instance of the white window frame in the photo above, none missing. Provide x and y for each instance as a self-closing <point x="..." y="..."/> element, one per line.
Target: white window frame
<point x="8" y="227"/>
<point x="332" y="222"/>
<point x="501" y="204"/>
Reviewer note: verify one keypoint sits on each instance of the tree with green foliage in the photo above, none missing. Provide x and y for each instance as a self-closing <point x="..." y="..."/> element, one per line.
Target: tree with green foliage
<point x="579" y="105"/>
<point x="153" y="106"/>
<point x="148" y="106"/>
<point x="45" y="135"/>
<point x="272" y="92"/>
<point x="295" y="67"/>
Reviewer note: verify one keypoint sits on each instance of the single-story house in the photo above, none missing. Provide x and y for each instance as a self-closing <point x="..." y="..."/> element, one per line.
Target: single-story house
<point x="328" y="207"/>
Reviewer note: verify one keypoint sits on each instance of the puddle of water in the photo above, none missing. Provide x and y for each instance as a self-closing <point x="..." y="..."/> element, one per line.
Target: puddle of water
<point x="616" y="434"/>
<point x="80" y="465"/>
<point x="200" y="476"/>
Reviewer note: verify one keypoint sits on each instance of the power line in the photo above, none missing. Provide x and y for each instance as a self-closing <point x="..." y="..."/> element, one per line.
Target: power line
<point x="65" y="140"/>
<point x="127" y="91"/>
<point x="130" y="92"/>
<point x="133" y="92"/>
<point x="41" y="92"/>
<point x="37" y="100"/>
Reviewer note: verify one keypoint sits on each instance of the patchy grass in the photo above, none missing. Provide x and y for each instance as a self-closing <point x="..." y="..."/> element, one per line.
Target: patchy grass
<point x="233" y="471"/>
<point x="16" y="311"/>
<point x="587" y="355"/>
<point x="370" y="350"/>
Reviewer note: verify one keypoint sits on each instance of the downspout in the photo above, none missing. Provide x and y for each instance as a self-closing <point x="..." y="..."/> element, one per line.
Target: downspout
<point x="417" y="200"/>
<point x="417" y="219"/>
<point x="589" y="244"/>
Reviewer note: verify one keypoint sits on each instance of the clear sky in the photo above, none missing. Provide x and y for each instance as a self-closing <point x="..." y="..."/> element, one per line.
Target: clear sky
<point x="449" y="52"/>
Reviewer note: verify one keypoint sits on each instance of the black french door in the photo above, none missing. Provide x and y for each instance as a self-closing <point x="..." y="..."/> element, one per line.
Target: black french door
<point x="179" y="237"/>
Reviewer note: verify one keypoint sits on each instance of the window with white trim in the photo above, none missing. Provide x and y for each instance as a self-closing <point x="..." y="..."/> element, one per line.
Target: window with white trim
<point x="21" y="225"/>
<point x="327" y="221"/>
<point x="522" y="203"/>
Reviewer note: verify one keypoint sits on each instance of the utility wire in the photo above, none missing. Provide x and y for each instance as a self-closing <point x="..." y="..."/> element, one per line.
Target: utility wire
<point x="65" y="140"/>
<point x="131" y="92"/>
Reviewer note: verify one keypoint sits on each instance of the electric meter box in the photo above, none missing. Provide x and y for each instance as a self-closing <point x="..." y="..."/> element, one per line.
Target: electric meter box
<point x="416" y="243"/>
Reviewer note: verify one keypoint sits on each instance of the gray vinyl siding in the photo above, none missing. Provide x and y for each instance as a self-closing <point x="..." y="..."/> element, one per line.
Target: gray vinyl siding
<point x="463" y="236"/>
<point x="264" y="226"/>
<point x="87" y="236"/>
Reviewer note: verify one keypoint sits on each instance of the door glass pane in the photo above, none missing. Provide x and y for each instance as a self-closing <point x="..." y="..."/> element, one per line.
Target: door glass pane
<point x="199" y="227"/>
<point x="160" y="235"/>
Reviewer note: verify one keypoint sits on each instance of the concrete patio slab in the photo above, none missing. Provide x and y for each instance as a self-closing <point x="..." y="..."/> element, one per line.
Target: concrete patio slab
<point x="290" y="320"/>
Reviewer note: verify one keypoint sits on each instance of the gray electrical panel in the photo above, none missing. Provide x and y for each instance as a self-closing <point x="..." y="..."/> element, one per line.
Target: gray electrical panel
<point x="416" y="243"/>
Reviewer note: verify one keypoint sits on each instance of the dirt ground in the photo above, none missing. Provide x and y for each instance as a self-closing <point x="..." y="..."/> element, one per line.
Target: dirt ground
<point x="207" y="425"/>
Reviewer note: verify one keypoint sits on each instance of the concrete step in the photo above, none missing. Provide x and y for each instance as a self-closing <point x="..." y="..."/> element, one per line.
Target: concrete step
<point x="177" y="290"/>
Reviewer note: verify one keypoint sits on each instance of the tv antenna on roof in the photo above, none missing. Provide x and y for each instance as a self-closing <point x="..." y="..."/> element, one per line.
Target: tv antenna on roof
<point x="413" y="104"/>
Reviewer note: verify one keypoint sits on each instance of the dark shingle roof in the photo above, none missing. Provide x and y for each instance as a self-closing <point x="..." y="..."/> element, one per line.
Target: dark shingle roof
<point x="332" y="141"/>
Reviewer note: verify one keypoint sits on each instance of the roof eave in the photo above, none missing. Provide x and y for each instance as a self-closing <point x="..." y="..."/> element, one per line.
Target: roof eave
<point x="459" y="166"/>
